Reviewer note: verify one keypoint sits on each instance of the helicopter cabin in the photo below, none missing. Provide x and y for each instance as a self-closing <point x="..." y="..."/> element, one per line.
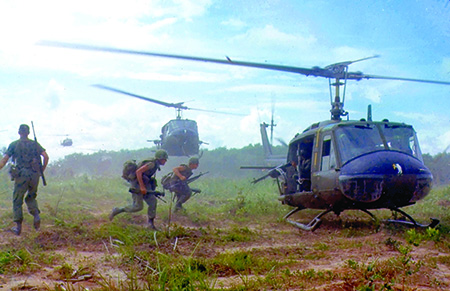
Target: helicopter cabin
<point x="179" y="137"/>
<point x="327" y="157"/>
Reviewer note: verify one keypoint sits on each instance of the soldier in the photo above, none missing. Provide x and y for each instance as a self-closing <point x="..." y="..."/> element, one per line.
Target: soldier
<point x="177" y="185"/>
<point x="26" y="155"/>
<point x="144" y="182"/>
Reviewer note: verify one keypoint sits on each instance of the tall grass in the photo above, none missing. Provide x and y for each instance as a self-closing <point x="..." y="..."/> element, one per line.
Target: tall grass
<point x="184" y="256"/>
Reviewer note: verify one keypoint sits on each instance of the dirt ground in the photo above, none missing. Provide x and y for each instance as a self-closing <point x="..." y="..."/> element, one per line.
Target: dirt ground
<point x="329" y="248"/>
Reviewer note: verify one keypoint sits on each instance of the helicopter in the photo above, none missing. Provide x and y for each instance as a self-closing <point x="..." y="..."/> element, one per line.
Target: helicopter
<point x="179" y="137"/>
<point x="337" y="165"/>
<point x="271" y="160"/>
<point x="67" y="142"/>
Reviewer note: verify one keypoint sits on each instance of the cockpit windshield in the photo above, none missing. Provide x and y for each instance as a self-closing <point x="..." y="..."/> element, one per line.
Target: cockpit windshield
<point x="180" y="124"/>
<point x="356" y="140"/>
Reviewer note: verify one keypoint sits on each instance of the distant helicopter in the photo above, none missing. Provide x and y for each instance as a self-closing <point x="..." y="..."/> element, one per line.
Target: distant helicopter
<point x="179" y="137"/>
<point x="67" y="142"/>
<point x="339" y="165"/>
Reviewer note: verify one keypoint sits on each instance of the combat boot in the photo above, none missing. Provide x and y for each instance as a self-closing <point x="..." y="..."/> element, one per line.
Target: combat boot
<point x="37" y="221"/>
<point x="17" y="229"/>
<point x="114" y="212"/>
<point x="151" y="224"/>
<point x="179" y="208"/>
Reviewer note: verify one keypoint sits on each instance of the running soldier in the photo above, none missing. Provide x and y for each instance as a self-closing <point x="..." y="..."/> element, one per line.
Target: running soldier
<point x="175" y="182"/>
<point x="143" y="188"/>
<point x="28" y="167"/>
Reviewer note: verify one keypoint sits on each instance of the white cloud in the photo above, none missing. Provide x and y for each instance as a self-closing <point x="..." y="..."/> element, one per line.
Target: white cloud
<point x="236" y="23"/>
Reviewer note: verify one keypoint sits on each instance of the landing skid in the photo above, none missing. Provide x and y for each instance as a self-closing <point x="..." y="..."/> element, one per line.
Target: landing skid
<point x="412" y="222"/>
<point x="316" y="221"/>
<point x="312" y="225"/>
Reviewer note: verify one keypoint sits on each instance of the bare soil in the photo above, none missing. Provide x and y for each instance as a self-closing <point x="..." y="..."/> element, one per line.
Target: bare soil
<point x="328" y="249"/>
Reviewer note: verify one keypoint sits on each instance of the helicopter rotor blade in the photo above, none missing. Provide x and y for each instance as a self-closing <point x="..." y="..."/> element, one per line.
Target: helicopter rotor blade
<point x="334" y="71"/>
<point x="404" y="79"/>
<point x="174" y="105"/>
<point x="214" y="111"/>
<point x="345" y="64"/>
<point x="228" y="61"/>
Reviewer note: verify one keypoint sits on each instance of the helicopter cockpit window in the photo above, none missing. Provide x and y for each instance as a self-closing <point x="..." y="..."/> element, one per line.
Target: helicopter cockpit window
<point x="328" y="157"/>
<point x="402" y="138"/>
<point x="354" y="141"/>
<point x="175" y="125"/>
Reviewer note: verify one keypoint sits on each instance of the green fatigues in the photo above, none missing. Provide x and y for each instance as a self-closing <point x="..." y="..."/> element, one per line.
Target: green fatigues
<point x="181" y="188"/>
<point x="150" y="199"/>
<point x="26" y="155"/>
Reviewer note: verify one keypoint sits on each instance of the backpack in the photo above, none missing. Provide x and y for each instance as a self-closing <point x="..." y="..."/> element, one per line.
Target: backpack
<point x="166" y="179"/>
<point x="130" y="167"/>
<point x="129" y="170"/>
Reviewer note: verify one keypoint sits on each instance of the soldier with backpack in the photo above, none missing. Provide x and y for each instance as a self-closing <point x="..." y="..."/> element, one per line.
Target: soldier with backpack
<point x="176" y="182"/>
<point x="143" y="185"/>
<point x="28" y="167"/>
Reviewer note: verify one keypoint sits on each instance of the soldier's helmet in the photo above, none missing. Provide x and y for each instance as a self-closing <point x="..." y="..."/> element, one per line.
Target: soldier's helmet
<point x="161" y="154"/>
<point x="23" y="128"/>
<point x="194" y="160"/>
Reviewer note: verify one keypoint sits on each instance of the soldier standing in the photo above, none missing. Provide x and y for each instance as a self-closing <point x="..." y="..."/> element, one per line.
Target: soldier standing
<point x="144" y="183"/>
<point x="28" y="167"/>
<point x="177" y="182"/>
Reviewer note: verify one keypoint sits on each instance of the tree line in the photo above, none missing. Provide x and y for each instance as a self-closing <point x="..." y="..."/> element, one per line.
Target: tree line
<point x="220" y="162"/>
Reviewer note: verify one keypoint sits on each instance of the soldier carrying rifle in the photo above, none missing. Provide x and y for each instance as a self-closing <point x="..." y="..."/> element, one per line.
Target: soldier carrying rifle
<point x="177" y="181"/>
<point x="143" y="185"/>
<point x="28" y="167"/>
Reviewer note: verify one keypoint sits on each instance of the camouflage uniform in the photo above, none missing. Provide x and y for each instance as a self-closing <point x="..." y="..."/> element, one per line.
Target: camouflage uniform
<point x="26" y="156"/>
<point x="138" y="198"/>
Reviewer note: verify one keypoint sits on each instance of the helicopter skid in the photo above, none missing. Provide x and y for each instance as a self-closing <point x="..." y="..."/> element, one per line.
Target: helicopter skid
<point x="312" y="225"/>
<point x="316" y="221"/>
<point x="434" y="222"/>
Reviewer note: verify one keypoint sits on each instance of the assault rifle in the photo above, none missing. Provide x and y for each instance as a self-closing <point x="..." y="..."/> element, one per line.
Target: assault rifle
<point x="273" y="173"/>
<point x="39" y="158"/>
<point x="172" y="185"/>
<point x="195" y="177"/>
<point x="157" y="194"/>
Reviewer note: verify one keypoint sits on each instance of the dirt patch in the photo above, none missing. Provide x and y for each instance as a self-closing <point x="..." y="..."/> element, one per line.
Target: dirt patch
<point x="331" y="251"/>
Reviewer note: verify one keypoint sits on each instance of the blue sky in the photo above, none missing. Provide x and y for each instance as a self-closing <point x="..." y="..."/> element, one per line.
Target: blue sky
<point x="52" y="86"/>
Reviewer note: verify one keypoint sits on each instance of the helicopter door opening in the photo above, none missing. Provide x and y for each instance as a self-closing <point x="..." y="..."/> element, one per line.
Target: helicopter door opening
<point x="303" y="153"/>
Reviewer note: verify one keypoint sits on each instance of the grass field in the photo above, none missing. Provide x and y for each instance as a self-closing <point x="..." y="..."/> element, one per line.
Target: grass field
<point x="231" y="237"/>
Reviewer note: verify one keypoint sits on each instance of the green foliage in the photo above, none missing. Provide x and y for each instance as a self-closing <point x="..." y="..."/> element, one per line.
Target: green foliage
<point x="220" y="162"/>
<point x="415" y="237"/>
<point x="438" y="166"/>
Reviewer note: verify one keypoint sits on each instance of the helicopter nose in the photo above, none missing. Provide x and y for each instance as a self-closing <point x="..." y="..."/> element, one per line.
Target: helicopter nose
<point x="395" y="177"/>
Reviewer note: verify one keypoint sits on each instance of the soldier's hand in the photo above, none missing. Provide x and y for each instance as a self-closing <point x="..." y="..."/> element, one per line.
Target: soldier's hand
<point x="143" y="190"/>
<point x="182" y="178"/>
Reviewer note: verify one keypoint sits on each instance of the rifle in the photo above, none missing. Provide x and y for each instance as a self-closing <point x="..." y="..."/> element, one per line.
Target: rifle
<point x="40" y="161"/>
<point x="273" y="173"/>
<point x="170" y="186"/>
<point x="195" y="177"/>
<point x="157" y="194"/>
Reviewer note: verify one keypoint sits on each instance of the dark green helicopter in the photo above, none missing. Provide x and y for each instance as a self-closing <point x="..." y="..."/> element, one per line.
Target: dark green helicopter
<point x="179" y="137"/>
<point x="339" y="165"/>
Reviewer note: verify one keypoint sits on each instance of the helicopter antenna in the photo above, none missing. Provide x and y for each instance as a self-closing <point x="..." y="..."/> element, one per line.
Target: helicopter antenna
<point x="272" y="124"/>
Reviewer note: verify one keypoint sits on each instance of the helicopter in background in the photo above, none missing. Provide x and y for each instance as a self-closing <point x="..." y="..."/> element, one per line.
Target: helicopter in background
<point x="179" y="137"/>
<point x="337" y="165"/>
<point x="271" y="160"/>
<point x="67" y="142"/>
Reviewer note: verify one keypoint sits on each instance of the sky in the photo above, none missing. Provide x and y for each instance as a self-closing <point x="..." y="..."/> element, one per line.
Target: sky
<point x="53" y="86"/>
